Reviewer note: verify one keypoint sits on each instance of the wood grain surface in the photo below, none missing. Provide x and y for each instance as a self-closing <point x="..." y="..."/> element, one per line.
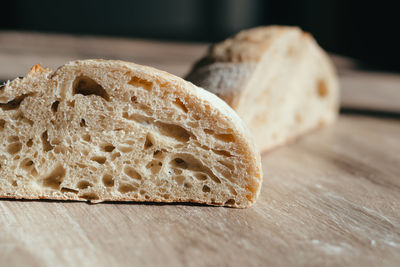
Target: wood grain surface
<point x="331" y="198"/>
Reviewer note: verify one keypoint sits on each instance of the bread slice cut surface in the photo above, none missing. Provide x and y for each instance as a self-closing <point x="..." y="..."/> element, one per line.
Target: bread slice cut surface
<point x="102" y="130"/>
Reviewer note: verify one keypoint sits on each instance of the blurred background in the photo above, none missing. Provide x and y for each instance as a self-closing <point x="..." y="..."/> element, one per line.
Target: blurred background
<point x="367" y="31"/>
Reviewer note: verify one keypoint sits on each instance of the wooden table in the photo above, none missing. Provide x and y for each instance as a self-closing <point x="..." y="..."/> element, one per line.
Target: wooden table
<point x="329" y="199"/>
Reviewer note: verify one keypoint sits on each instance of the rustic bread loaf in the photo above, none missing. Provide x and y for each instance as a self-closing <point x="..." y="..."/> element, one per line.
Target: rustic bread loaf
<point x="102" y="130"/>
<point x="279" y="81"/>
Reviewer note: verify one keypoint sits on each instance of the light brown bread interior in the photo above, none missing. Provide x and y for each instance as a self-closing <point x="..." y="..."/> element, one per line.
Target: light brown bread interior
<point x="102" y="130"/>
<point x="277" y="78"/>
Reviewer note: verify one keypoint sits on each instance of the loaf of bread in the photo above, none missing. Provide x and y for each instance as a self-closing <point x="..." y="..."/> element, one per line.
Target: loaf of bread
<point x="102" y="130"/>
<point x="279" y="81"/>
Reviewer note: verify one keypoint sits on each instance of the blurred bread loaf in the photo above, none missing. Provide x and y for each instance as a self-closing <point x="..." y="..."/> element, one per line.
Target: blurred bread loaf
<point x="277" y="78"/>
<point x="102" y="130"/>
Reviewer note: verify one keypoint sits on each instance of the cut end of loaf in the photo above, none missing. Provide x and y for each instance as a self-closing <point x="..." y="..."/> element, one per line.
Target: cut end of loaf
<point x="101" y="130"/>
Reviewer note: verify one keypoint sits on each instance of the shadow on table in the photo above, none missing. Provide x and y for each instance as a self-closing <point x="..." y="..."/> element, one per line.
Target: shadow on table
<point x="114" y="202"/>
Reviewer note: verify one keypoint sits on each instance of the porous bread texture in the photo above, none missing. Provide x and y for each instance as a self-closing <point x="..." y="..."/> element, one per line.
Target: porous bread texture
<point x="102" y="130"/>
<point x="277" y="78"/>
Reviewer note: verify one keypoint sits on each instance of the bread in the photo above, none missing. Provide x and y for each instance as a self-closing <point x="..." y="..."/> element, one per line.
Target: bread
<point x="102" y="130"/>
<point x="279" y="81"/>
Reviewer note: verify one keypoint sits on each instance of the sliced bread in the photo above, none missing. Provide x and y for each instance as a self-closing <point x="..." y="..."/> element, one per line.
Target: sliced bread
<point x="101" y="130"/>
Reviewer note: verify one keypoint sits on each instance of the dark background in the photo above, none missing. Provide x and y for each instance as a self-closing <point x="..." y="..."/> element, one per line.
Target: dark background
<point x="364" y="30"/>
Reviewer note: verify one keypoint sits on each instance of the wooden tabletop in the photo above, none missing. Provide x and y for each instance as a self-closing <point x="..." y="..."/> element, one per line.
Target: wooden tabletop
<point x="331" y="198"/>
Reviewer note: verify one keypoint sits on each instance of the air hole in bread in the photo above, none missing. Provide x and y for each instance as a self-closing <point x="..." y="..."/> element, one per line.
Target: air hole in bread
<point x="71" y="103"/>
<point x="200" y="176"/>
<point x="14" y="148"/>
<point x="13" y="138"/>
<point x="222" y="137"/>
<point x="230" y="202"/>
<point x="108" y="180"/>
<point x="134" y="99"/>
<point x="80" y="165"/>
<point x="154" y="166"/>
<point x="108" y="148"/>
<point x="68" y="190"/>
<point x="87" y="137"/>
<point x="139" y="82"/>
<point x="55" y="141"/>
<point x="131" y="172"/>
<point x="175" y="171"/>
<point x="129" y="142"/>
<point x="233" y="191"/>
<point x="124" y="148"/>
<point x="158" y="154"/>
<point x="45" y="142"/>
<point x="125" y="188"/>
<point x="115" y="155"/>
<point x="2" y="124"/>
<point x="99" y="159"/>
<point x="84" y="184"/>
<point x="227" y="164"/>
<point x="215" y="179"/>
<point x="196" y="117"/>
<point x="222" y="153"/>
<point x="142" y="192"/>
<point x="174" y="131"/>
<point x="171" y="130"/>
<point x="15" y="103"/>
<point x="189" y="162"/>
<point x="208" y="131"/>
<point x="228" y="138"/>
<point x="322" y="88"/>
<point x="55" y="178"/>
<point x="59" y="149"/>
<point x="20" y="116"/>
<point x="26" y="164"/>
<point x="87" y="86"/>
<point x="54" y="106"/>
<point x="180" y="163"/>
<point x="29" y="143"/>
<point x="178" y="102"/>
<point x="34" y="172"/>
<point x="14" y="183"/>
<point x="206" y="189"/>
<point x="89" y="196"/>
<point x="148" y="143"/>
<point x="82" y="123"/>
<point x="187" y="185"/>
<point x="137" y="117"/>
